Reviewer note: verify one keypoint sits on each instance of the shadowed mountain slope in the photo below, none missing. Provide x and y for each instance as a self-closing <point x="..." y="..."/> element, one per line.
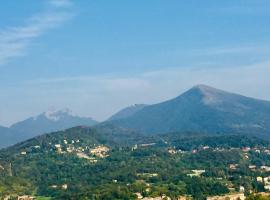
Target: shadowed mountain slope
<point x="203" y="109"/>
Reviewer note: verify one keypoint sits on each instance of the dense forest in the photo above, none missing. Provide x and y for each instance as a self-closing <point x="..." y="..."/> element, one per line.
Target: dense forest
<point x="113" y="163"/>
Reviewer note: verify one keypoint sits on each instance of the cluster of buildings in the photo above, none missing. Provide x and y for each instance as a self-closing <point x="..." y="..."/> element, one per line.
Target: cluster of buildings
<point x="100" y="151"/>
<point x="97" y="152"/>
<point x="69" y="147"/>
<point x="162" y="197"/>
<point x="257" y="150"/>
<point x="24" y="197"/>
<point x="73" y="146"/>
<point x="265" y="181"/>
<point x="253" y="168"/>
<point x="237" y="196"/>
<point x="148" y="175"/>
<point x="174" y="151"/>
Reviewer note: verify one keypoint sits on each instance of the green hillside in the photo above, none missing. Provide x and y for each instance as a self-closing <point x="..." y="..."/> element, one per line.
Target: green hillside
<point x="108" y="162"/>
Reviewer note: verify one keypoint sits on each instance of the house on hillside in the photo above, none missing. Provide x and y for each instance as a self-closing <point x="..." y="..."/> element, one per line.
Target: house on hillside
<point x="233" y="166"/>
<point x="237" y="196"/>
<point x="25" y="197"/>
<point x="163" y="197"/>
<point x="196" y="173"/>
<point x="259" y="179"/>
<point x="100" y="151"/>
<point x="265" y="168"/>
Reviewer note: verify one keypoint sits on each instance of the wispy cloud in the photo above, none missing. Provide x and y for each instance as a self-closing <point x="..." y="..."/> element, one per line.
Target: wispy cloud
<point x="100" y="96"/>
<point x="61" y="3"/>
<point x="230" y="50"/>
<point x="15" y="40"/>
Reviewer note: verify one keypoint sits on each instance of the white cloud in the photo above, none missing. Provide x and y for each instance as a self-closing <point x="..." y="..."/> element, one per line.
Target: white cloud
<point x="15" y="40"/>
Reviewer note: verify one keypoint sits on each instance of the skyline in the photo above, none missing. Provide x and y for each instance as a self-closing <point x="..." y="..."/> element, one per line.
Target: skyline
<point x="96" y="58"/>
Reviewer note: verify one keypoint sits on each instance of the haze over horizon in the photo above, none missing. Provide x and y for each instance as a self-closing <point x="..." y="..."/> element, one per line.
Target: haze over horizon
<point x="98" y="57"/>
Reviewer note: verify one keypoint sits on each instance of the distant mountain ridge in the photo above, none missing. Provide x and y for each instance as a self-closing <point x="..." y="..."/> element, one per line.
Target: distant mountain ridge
<point x="9" y="137"/>
<point x="127" y="112"/>
<point x="203" y="109"/>
<point x="49" y="121"/>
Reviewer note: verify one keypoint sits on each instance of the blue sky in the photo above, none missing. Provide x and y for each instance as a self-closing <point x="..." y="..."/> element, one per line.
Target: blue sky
<point x="98" y="56"/>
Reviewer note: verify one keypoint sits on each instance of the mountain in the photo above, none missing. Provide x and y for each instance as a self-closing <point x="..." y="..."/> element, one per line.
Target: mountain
<point x="3" y="129"/>
<point x="44" y="123"/>
<point x="9" y="137"/>
<point x="203" y="109"/>
<point x="5" y="135"/>
<point x="127" y="112"/>
<point x="51" y="121"/>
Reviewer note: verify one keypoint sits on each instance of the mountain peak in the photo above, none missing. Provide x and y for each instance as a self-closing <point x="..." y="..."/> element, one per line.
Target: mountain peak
<point x="49" y="121"/>
<point x="206" y="89"/>
<point x="202" y="109"/>
<point x="209" y="95"/>
<point x="55" y="115"/>
<point x="203" y="86"/>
